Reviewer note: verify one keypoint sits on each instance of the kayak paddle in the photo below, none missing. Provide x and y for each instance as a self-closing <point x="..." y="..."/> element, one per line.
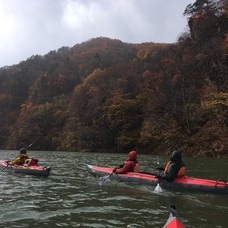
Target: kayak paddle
<point x="158" y="187"/>
<point x="4" y="168"/>
<point x="32" y="143"/>
<point x="105" y="179"/>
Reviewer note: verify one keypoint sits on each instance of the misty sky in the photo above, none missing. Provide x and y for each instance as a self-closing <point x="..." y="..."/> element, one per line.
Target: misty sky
<point x="31" y="27"/>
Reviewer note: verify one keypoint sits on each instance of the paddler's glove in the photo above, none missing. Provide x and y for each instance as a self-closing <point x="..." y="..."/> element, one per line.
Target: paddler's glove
<point x="114" y="170"/>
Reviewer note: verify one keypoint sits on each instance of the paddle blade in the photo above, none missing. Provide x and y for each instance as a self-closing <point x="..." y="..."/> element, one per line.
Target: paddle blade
<point x="158" y="163"/>
<point x="104" y="180"/>
<point x="158" y="188"/>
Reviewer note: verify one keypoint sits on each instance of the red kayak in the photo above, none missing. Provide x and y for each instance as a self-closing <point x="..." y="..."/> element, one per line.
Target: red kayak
<point x="182" y="183"/>
<point x="33" y="169"/>
<point x="173" y="220"/>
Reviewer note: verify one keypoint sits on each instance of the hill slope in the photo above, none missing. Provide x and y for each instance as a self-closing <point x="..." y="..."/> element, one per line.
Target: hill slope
<point x="106" y="95"/>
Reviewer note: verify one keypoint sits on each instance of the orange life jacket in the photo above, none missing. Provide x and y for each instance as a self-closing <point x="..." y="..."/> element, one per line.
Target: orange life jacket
<point x="180" y="173"/>
<point x="137" y="168"/>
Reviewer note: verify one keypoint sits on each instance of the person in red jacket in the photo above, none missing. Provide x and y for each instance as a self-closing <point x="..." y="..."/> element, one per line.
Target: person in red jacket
<point x="130" y="165"/>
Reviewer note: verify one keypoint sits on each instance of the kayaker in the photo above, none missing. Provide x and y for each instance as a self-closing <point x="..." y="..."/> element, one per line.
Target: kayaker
<point x="20" y="159"/>
<point x="174" y="168"/>
<point x="130" y="165"/>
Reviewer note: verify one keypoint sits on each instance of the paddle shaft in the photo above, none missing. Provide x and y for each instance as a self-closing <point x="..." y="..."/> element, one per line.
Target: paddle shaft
<point x="109" y="175"/>
<point x="4" y="168"/>
<point x="158" y="186"/>
<point x="32" y="143"/>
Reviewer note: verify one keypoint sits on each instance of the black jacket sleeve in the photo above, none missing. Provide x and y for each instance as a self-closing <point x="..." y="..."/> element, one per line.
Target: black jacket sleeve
<point x="171" y="173"/>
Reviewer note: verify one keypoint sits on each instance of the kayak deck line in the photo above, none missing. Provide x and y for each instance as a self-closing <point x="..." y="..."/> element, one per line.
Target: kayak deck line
<point x="196" y="181"/>
<point x="185" y="182"/>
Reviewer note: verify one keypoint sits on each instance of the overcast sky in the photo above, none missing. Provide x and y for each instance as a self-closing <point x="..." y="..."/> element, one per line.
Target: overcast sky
<point x="31" y="27"/>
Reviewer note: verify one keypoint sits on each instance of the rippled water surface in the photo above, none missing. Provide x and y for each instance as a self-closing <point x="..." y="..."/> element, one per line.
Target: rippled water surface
<point x="70" y="197"/>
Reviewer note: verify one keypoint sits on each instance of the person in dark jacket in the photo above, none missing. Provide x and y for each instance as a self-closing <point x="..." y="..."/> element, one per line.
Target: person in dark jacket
<point x="20" y="159"/>
<point x="130" y="165"/>
<point x="174" y="168"/>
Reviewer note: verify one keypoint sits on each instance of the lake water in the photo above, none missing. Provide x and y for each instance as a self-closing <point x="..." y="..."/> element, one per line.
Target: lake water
<point x="71" y="197"/>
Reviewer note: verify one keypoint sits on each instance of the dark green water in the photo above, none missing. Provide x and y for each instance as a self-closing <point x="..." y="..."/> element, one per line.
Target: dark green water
<point x="70" y="197"/>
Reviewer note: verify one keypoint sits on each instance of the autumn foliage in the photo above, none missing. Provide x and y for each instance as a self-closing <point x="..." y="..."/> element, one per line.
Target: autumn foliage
<point x="108" y="96"/>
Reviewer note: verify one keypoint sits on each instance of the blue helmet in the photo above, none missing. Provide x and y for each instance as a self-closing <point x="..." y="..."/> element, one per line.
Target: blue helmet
<point x="176" y="156"/>
<point x="23" y="151"/>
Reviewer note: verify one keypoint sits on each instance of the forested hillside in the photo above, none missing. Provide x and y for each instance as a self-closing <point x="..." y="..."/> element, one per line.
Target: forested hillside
<point x="106" y="95"/>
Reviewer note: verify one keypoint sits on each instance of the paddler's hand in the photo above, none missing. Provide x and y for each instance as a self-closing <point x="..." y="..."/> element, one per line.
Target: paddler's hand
<point x="114" y="170"/>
